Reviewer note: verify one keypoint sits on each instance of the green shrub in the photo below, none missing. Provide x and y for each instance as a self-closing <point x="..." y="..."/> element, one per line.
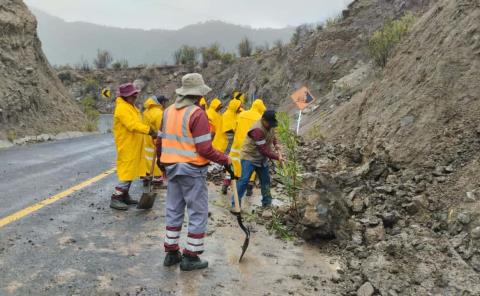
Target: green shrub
<point x="245" y="47"/>
<point x="103" y="60"/>
<point x="211" y="53"/>
<point x="11" y="136"/>
<point x="116" y="66"/>
<point x="92" y="114"/>
<point x="277" y="226"/>
<point x="186" y="55"/>
<point x="291" y="168"/>
<point x="383" y="41"/>
<point x="228" y="58"/>
<point x="333" y="21"/>
<point x="92" y="85"/>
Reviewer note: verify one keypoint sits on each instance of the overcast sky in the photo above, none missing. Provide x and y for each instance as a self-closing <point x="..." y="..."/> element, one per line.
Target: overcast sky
<point x="174" y="14"/>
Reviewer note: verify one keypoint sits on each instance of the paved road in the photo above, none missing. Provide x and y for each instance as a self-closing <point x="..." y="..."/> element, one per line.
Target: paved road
<point x="79" y="246"/>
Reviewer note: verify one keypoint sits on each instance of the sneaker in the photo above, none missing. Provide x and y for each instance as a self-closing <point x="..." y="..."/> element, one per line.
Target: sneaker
<point x="117" y="203"/>
<point x="190" y="263"/>
<point x="172" y="258"/>
<point x="127" y="199"/>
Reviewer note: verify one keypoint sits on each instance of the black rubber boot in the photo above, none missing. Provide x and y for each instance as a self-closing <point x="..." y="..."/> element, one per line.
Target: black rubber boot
<point x="117" y="203"/>
<point x="190" y="263"/>
<point x="224" y="189"/>
<point x="172" y="258"/>
<point x="127" y="199"/>
<point x="249" y="189"/>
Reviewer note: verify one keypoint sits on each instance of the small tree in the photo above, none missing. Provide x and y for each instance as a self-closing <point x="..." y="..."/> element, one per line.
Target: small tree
<point x="103" y="60"/>
<point x="211" y="53"/>
<point x="291" y="168"/>
<point x="116" y="65"/>
<point x="120" y="64"/>
<point x="186" y="55"/>
<point x="83" y="65"/>
<point x="245" y="47"/>
<point x="177" y="56"/>
<point x="278" y="45"/>
<point x="124" y="63"/>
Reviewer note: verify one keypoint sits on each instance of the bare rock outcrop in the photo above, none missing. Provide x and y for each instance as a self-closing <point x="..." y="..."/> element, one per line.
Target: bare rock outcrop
<point x="32" y="98"/>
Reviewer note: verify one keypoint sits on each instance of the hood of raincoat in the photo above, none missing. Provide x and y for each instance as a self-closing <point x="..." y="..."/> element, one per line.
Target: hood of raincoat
<point x="214" y="104"/>
<point x="258" y="106"/>
<point x="203" y="103"/>
<point x="255" y="112"/>
<point x="150" y="102"/>
<point x="229" y="118"/>
<point x="234" y="105"/>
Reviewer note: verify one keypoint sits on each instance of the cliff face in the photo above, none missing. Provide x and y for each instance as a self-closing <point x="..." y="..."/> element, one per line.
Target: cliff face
<point x="32" y="98"/>
<point x="425" y="106"/>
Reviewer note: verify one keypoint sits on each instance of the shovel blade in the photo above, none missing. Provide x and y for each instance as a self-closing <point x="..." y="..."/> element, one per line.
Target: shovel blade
<point x="146" y="201"/>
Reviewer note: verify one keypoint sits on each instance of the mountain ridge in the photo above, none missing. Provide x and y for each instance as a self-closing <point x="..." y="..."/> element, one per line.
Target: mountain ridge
<point x="69" y="42"/>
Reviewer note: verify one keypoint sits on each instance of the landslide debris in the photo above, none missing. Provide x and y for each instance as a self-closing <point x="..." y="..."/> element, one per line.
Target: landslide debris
<point x="402" y="156"/>
<point x="32" y="98"/>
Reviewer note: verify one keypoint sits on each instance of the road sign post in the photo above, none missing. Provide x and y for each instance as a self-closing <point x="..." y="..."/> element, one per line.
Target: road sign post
<point x="302" y="98"/>
<point x="299" y="120"/>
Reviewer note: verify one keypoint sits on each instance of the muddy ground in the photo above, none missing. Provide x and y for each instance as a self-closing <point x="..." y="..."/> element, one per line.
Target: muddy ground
<point x="79" y="246"/>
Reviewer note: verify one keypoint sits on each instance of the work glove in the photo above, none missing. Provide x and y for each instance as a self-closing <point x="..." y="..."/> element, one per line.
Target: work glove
<point x="229" y="169"/>
<point x="153" y="133"/>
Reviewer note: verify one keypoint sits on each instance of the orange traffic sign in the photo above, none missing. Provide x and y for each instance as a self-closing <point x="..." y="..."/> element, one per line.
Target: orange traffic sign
<point x="302" y="98"/>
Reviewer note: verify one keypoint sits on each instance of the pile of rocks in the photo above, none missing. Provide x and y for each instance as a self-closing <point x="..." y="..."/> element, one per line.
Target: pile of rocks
<point x="395" y="232"/>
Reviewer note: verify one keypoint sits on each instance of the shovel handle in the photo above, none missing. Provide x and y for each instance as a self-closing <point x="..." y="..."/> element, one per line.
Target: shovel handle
<point x="236" y="200"/>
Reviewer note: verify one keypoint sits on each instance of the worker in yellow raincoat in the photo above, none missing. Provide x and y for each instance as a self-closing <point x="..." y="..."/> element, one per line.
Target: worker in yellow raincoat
<point x="203" y="104"/>
<point x="224" y="138"/>
<point x="239" y="96"/>
<point x="128" y="132"/>
<point x="245" y="121"/>
<point x="153" y="115"/>
<point x="214" y="116"/>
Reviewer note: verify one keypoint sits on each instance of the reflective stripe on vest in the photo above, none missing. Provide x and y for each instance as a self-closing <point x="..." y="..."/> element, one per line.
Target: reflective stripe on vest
<point x="178" y="144"/>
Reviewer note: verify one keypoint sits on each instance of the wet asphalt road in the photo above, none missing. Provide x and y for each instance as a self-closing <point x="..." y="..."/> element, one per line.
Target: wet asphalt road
<point x="79" y="246"/>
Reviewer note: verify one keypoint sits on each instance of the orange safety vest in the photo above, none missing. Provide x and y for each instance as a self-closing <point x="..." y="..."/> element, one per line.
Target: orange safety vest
<point x="178" y="144"/>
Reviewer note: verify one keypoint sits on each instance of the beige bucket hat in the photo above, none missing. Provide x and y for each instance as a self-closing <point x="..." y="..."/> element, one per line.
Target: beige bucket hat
<point x="193" y="85"/>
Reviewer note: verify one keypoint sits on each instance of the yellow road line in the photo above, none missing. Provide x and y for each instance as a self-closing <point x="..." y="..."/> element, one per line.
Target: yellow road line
<point x="35" y="207"/>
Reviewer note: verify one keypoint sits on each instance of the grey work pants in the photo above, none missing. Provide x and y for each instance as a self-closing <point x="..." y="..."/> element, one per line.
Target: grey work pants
<point x="192" y="193"/>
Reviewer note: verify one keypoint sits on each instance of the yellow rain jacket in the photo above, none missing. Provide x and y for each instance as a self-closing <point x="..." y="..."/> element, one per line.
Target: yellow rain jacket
<point x="152" y="116"/>
<point x="214" y="117"/>
<point x="229" y="121"/>
<point x="245" y="121"/>
<point x="203" y="103"/>
<point x="128" y="132"/>
<point x="239" y="96"/>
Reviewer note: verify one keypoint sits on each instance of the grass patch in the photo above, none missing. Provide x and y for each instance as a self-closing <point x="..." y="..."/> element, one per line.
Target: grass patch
<point x="11" y="136"/>
<point x="277" y="227"/>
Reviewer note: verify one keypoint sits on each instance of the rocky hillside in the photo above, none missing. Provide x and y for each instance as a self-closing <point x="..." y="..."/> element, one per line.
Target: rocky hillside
<point x="32" y="98"/>
<point x="321" y="56"/>
<point x="391" y="154"/>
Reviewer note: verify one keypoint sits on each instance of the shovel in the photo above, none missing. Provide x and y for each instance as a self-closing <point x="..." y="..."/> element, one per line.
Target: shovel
<point x="148" y="195"/>
<point x="237" y="211"/>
